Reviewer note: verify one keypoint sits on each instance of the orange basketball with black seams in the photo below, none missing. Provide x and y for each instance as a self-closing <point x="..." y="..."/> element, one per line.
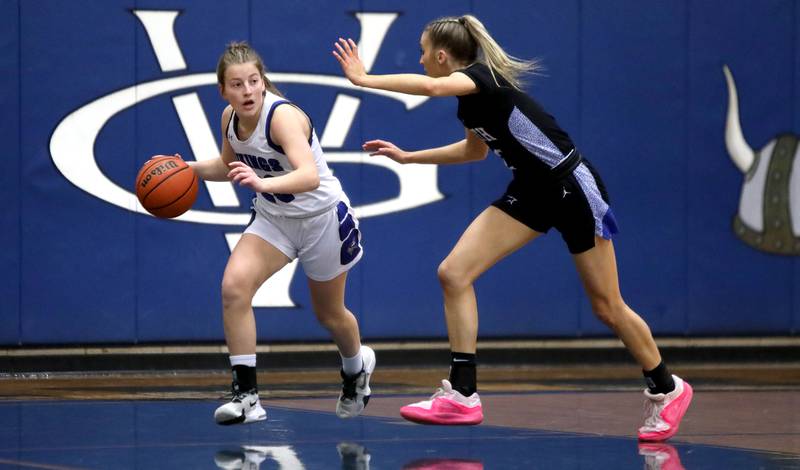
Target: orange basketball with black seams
<point x="166" y="186"/>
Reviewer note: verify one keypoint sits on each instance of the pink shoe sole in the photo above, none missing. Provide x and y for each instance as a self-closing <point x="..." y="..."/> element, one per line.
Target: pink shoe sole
<point x="679" y="411"/>
<point x="422" y="416"/>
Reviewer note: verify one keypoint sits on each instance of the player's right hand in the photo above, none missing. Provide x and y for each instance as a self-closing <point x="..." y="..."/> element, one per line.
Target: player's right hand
<point x="347" y="54"/>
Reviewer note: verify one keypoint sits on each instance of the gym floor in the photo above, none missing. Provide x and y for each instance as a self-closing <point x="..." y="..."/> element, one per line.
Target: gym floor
<point x="570" y="416"/>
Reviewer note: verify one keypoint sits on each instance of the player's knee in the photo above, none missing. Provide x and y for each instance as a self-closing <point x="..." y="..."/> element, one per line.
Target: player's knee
<point x="234" y="290"/>
<point x="452" y="278"/>
<point x="609" y="311"/>
<point x="332" y="319"/>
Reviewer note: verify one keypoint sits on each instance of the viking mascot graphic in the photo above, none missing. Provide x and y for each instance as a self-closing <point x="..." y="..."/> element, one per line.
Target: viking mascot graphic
<point x="769" y="207"/>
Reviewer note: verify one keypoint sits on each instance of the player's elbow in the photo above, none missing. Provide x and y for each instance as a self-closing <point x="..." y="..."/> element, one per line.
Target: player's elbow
<point x="428" y="88"/>
<point x="311" y="180"/>
<point x="476" y="154"/>
<point x="434" y="87"/>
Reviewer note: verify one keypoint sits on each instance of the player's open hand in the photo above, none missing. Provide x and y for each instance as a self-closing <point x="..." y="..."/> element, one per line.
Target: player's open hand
<point x="346" y="53"/>
<point x="387" y="149"/>
<point x="245" y="176"/>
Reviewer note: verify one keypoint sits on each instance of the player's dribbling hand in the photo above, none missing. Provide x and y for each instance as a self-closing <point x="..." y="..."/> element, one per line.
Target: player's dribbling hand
<point x="347" y="54"/>
<point x="157" y="157"/>
<point x="245" y="176"/>
<point x="387" y="149"/>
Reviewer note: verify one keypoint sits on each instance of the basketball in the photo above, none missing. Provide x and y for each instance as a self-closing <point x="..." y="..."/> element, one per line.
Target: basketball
<point x="166" y="186"/>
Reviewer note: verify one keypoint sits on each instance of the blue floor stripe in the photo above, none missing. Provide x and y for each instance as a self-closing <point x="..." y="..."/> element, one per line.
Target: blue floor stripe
<point x="182" y="434"/>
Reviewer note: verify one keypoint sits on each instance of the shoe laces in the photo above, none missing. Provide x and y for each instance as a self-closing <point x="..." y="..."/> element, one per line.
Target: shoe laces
<point x="652" y="413"/>
<point x="349" y="384"/>
<point x="446" y="390"/>
<point x="236" y="395"/>
<point x="440" y="392"/>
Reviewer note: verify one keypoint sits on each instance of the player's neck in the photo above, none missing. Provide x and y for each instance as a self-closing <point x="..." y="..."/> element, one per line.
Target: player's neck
<point x="246" y="125"/>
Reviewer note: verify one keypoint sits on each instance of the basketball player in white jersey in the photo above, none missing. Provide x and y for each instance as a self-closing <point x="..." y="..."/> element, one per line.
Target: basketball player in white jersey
<point x="299" y="211"/>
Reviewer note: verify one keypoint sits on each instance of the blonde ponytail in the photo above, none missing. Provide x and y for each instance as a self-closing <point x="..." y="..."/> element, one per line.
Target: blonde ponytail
<point x="467" y="40"/>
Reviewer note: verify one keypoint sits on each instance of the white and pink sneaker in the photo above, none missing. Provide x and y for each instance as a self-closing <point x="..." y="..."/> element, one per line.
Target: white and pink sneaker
<point x="446" y="406"/>
<point x="663" y="412"/>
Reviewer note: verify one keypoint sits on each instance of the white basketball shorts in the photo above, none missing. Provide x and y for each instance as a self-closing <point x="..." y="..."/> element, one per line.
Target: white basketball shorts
<point x="326" y="245"/>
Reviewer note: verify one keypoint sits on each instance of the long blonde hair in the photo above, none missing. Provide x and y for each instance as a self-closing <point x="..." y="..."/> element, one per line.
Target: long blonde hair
<point x="467" y="40"/>
<point x="241" y="53"/>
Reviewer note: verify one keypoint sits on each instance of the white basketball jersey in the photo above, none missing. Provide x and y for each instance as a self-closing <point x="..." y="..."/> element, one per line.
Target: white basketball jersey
<point x="267" y="159"/>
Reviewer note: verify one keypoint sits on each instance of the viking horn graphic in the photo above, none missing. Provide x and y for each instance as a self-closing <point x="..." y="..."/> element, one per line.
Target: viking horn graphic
<point x="741" y="153"/>
<point x="769" y="207"/>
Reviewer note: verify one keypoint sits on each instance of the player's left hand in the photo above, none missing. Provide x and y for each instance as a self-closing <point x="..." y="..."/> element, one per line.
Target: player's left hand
<point x="245" y="176"/>
<point x="347" y="54"/>
<point x="387" y="149"/>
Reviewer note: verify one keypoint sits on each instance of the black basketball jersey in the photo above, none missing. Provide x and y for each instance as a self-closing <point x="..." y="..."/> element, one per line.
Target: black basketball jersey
<point x="516" y="127"/>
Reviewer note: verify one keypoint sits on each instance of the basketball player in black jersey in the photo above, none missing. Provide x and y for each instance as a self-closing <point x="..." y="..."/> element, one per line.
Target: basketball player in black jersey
<point x="552" y="187"/>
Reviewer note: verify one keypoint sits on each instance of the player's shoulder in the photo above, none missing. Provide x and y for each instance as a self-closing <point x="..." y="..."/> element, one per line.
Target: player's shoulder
<point x="476" y="70"/>
<point x="480" y="74"/>
<point x="287" y="119"/>
<point x="287" y="112"/>
<point x="226" y="114"/>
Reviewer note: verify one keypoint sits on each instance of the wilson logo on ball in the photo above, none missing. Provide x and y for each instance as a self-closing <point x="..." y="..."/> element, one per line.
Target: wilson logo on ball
<point x="166" y="186"/>
<point x="157" y="171"/>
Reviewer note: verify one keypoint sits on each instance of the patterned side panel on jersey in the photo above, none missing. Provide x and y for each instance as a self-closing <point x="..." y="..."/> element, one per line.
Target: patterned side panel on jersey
<point x="533" y="139"/>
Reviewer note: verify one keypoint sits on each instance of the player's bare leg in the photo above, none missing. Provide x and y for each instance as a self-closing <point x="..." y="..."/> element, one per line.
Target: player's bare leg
<point x="668" y="396"/>
<point x="358" y="362"/>
<point x="490" y="237"/>
<point x="251" y="263"/>
<point x="597" y="268"/>
<point x="327" y="300"/>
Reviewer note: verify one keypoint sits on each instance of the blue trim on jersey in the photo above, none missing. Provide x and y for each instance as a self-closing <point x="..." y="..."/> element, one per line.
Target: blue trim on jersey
<point x="268" y="125"/>
<point x="235" y="119"/>
<point x="252" y="217"/>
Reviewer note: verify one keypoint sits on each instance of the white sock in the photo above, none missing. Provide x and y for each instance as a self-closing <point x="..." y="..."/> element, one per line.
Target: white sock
<point x="352" y="365"/>
<point x="248" y="360"/>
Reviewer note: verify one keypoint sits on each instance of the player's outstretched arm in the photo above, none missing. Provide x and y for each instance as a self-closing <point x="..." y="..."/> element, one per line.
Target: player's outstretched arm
<point x="467" y="150"/>
<point x="455" y="84"/>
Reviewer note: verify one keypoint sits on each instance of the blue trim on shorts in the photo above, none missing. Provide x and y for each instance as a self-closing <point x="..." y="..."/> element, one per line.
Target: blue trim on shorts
<point x="610" y="227"/>
<point x="351" y="247"/>
<point x="341" y="211"/>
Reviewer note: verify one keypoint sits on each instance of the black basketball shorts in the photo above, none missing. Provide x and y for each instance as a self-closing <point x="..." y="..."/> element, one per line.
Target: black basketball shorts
<point x="576" y="205"/>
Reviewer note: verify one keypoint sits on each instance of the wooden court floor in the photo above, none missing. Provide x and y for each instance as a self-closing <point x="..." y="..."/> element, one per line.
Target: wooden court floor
<point x="754" y="407"/>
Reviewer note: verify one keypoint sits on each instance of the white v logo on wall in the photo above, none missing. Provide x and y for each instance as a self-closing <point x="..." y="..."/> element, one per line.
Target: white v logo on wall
<point x="769" y="207"/>
<point x="72" y="142"/>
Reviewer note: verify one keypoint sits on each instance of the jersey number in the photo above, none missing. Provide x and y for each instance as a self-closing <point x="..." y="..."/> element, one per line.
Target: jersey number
<point x="275" y="165"/>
